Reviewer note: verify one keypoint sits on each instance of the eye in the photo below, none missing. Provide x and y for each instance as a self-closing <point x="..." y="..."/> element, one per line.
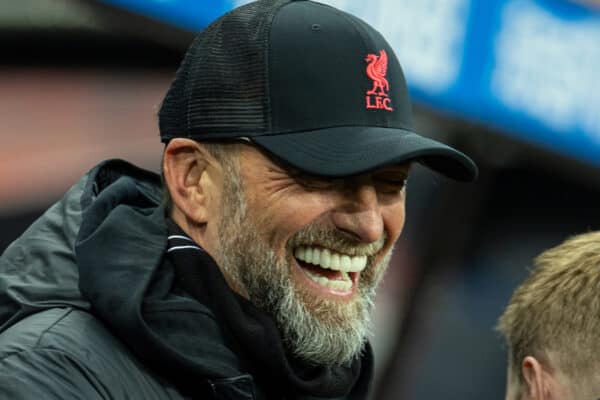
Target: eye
<point x="390" y="181"/>
<point x="311" y="182"/>
<point x="390" y="185"/>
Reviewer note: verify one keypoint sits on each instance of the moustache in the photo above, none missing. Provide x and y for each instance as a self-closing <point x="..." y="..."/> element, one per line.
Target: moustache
<point x="336" y="240"/>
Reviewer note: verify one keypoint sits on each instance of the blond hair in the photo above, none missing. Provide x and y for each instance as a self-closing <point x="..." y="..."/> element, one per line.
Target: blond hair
<point x="555" y="313"/>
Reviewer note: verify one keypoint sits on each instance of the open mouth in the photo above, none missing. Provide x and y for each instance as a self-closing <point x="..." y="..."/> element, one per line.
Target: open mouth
<point x="328" y="268"/>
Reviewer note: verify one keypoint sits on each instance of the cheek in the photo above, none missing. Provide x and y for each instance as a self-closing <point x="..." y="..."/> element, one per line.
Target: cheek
<point x="393" y="219"/>
<point x="282" y="219"/>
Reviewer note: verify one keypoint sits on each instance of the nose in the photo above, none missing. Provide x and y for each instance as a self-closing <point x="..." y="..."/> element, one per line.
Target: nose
<point x="359" y="214"/>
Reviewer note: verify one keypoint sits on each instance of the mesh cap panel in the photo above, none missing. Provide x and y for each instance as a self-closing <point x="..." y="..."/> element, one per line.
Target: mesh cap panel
<point x="221" y="87"/>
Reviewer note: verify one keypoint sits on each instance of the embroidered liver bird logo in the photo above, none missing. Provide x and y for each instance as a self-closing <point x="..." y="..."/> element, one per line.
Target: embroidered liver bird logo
<point x="376" y="70"/>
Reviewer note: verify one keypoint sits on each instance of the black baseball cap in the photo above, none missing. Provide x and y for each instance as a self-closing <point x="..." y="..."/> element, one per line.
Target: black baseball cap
<point x="316" y="87"/>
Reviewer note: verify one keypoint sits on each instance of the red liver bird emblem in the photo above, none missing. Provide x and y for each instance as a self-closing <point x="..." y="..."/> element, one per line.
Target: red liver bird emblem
<point x="377" y="97"/>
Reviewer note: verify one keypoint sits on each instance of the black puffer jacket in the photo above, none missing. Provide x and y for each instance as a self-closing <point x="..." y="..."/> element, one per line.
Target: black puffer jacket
<point x="89" y="310"/>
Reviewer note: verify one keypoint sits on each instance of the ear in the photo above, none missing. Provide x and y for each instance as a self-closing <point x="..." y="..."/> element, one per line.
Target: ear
<point x="536" y="379"/>
<point x="185" y="164"/>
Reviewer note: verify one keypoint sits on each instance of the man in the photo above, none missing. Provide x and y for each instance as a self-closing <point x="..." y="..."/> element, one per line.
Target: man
<point x="288" y="144"/>
<point x="551" y="325"/>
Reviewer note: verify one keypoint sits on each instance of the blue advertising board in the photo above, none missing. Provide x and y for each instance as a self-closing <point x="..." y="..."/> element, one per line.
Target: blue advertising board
<point x="528" y="67"/>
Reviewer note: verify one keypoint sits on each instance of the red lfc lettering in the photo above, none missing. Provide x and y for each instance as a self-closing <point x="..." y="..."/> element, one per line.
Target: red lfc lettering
<point x="369" y="105"/>
<point x="378" y="103"/>
<point x="386" y="104"/>
<point x="377" y="98"/>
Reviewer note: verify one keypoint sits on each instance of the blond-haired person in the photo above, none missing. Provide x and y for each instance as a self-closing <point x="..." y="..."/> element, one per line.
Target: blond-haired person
<point x="552" y="325"/>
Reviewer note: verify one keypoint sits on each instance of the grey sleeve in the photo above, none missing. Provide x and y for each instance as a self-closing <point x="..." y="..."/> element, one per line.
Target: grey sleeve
<point x="47" y="374"/>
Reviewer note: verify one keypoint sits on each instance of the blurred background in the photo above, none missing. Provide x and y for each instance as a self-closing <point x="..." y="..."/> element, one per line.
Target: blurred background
<point x="513" y="83"/>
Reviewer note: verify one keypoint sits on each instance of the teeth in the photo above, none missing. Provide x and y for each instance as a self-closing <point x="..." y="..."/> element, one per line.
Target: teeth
<point x="325" y="257"/>
<point x="343" y="284"/>
<point x="335" y="262"/>
<point x="316" y="256"/>
<point x="357" y="263"/>
<point x="308" y="255"/>
<point x="328" y="259"/>
<point x="345" y="263"/>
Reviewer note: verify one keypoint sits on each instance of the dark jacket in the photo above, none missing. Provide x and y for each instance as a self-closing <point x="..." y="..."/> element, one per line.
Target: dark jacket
<point x="90" y="310"/>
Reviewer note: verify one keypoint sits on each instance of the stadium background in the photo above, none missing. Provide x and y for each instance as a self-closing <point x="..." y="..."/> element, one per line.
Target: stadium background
<point x="514" y="83"/>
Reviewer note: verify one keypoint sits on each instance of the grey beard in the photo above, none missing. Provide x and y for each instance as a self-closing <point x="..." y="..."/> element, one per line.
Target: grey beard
<point x="319" y="331"/>
<point x="323" y="331"/>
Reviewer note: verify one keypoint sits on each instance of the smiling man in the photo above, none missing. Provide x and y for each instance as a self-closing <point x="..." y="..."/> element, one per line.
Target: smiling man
<point x="250" y="272"/>
<point x="307" y="250"/>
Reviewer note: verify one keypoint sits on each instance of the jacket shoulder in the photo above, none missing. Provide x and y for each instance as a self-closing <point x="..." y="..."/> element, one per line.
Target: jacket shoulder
<point x="64" y="353"/>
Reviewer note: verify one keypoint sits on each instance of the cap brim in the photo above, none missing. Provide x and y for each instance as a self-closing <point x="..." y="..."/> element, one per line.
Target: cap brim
<point x="343" y="151"/>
